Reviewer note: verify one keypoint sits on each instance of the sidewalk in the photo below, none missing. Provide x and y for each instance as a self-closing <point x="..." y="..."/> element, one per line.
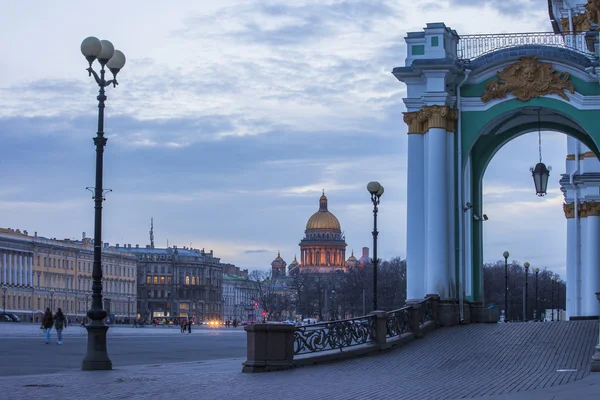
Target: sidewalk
<point x="509" y="361"/>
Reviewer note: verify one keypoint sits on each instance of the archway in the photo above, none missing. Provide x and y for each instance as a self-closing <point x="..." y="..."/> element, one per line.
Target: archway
<point x="460" y="113"/>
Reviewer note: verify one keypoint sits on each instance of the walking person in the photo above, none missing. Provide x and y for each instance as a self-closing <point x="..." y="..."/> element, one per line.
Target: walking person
<point x="59" y="324"/>
<point x="189" y="326"/>
<point x="47" y="323"/>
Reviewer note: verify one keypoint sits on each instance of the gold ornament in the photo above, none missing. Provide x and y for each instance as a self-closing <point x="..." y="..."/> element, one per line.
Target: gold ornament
<point x="527" y="79"/>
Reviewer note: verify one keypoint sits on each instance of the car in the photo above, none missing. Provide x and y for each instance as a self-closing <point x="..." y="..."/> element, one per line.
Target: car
<point x="13" y="317"/>
<point x="5" y="318"/>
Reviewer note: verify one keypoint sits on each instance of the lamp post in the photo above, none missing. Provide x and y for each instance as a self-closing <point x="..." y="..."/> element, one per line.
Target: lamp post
<point x="558" y="281"/>
<point x="128" y="309"/>
<point x="596" y="356"/>
<point x="526" y="265"/>
<point x="52" y="300"/>
<point x="376" y="191"/>
<point x="552" y="296"/>
<point x="506" y="254"/>
<point x="4" y="289"/>
<point x="32" y="294"/>
<point x="102" y="50"/>
<point x="537" y="271"/>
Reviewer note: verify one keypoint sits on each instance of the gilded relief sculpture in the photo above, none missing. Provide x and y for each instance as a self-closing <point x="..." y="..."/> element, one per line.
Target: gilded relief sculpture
<point x="527" y="79"/>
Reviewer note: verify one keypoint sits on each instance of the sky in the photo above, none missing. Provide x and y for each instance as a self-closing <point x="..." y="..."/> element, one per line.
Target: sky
<point x="230" y="117"/>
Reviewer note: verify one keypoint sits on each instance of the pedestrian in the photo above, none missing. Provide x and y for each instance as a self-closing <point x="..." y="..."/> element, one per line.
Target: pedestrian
<point x="189" y="326"/>
<point x="59" y="324"/>
<point x="47" y="323"/>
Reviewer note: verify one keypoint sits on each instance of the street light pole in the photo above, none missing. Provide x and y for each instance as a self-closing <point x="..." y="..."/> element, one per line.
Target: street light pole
<point x="52" y="300"/>
<point x="506" y="254"/>
<point x="537" y="271"/>
<point x="526" y="265"/>
<point x="558" y="299"/>
<point x="376" y="191"/>
<point x="4" y="289"/>
<point x="552" y="296"/>
<point x="102" y="50"/>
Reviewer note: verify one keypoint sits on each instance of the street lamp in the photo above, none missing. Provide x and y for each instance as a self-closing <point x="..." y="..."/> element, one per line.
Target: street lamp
<point x="102" y="50"/>
<point x="537" y="271"/>
<point x="540" y="172"/>
<point x="526" y="265"/>
<point x="552" y="296"/>
<point x="4" y="289"/>
<point x="506" y="254"/>
<point x="52" y="300"/>
<point x="376" y="191"/>
<point x="128" y="309"/>
<point x="32" y="294"/>
<point x="558" y="282"/>
<point x="596" y="356"/>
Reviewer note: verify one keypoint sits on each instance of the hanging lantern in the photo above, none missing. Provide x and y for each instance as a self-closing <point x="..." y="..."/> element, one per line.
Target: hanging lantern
<point x="540" y="178"/>
<point x="540" y="172"/>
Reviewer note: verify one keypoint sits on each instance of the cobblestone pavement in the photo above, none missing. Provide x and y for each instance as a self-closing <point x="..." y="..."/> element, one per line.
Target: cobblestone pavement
<point x="495" y="361"/>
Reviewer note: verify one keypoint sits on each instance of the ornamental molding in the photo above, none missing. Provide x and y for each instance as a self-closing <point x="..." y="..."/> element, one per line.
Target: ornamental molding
<point x="419" y="122"/>
<point x="590" y="208"/>
<point x="527" y="79"/>
<point x="583" y="22"/>
<point x="587" y="154"/>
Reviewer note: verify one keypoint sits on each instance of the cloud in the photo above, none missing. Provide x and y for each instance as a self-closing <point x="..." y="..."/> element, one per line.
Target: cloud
<point x="255" y="251"/>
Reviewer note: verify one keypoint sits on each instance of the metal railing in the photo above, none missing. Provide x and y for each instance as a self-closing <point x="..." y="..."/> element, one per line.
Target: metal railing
<point x="399" y="322"/>
<point x="334" y="335"/>
<point x="474" y="46"/>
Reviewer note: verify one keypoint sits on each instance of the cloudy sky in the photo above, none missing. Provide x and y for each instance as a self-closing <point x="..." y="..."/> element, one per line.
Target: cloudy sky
<point x="230" y="118"/>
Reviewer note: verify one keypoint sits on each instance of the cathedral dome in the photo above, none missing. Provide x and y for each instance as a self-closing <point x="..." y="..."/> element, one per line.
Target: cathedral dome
<point x="323" y="219"/>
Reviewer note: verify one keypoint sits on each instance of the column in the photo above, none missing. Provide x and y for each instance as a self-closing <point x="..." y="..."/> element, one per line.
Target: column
<point x="31" y="271"/>
<point x="415" y="209"/>
<point x="591" y="270"/>
<point x="437" y="262"/>
<point x="4" y="268"/>
<point x="21" y="272"/>
<point x="10" y="268"/>
<point x="572" y="309"/>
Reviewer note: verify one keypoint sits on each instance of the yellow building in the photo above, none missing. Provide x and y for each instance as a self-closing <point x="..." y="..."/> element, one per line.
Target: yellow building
<point x="37" y="272"/>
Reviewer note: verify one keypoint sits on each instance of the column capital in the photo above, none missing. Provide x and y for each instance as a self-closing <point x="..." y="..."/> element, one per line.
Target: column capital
<point x="590" y="208"/>
<point x="432" y="117"/>
<point x="569" y="210"/>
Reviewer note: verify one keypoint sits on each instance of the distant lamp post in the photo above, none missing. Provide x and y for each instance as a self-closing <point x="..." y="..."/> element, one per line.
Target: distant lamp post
<point x="537" y="271"/>
<point x="102" y="50"/>
<point x="376" y="191"/>
<point x="128" y="309"/>
<point x="52" y="300"/>
<point x="526" y="265"/>
<point x="552" y="296"/>
<point x="540" y="172"/>
<point x="4" y="289"/>
<point x="596" y="356"/>
<point x="506" y="254"/>
<point x="558" y="282"/>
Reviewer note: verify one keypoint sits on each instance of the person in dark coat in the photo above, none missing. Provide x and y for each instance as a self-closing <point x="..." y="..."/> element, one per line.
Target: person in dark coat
<point x="189" y="326"/>
<point x="60" y="322"/>
<point x="47" y="323"/>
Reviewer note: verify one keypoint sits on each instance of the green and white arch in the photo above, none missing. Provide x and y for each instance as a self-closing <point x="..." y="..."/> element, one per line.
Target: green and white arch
<point x="444" y="236"/>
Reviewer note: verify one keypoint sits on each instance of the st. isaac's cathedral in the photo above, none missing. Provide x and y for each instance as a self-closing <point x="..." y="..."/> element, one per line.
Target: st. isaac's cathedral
<point x="323" y="248"/>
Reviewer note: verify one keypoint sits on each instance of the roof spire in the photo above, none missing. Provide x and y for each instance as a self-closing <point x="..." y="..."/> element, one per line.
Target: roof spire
<point x="152" y="233"/>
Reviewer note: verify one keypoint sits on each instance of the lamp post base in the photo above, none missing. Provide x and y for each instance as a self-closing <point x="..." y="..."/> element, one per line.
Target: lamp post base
<point x="596" y="360"/>
<point x="96" y="358"/>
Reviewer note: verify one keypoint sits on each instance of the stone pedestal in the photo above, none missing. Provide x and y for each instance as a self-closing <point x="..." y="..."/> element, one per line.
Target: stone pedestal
<point x="270" y="347"/>
<point x="97" y="356"/>
<point x="449" y="313"/>
<point x="379" y="336"/>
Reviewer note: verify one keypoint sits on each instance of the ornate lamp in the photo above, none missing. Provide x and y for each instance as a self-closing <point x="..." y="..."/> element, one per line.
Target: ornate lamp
<point x="540" y="172"/>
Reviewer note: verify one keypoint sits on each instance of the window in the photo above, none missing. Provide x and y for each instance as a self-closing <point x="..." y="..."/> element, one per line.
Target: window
<point x="187" y="280"/>
<point x="156" y="280"/>
<point x="168" y="280"/>
<point x="148" y="279"/>
<point x="162" y="280"/>
<point x="193" y="280"/>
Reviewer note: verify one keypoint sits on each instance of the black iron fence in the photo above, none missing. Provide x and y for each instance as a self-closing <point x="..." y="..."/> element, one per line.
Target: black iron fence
<point x="399" y="322"/>
<point x="334" y="335"/>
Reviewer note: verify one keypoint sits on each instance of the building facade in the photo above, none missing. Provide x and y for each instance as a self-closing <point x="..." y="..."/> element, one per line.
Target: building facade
<point x="239" y="299"/>
<point x="37" y="272"/>
<point x="177" y="282"/>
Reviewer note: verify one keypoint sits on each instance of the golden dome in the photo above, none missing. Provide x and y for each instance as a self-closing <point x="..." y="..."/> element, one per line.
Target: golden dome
<point x="323" y="219"/>
<point x="352" y="258"/>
